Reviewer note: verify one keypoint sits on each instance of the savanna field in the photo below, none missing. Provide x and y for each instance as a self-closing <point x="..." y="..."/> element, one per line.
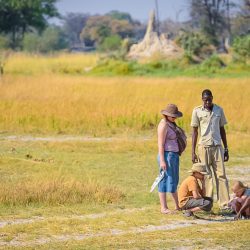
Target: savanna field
<point x="78" y="156"/>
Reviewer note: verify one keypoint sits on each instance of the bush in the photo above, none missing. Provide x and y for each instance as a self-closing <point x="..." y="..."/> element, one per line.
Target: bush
<point x="164" y="65"/>
<point x="193" y="43"/>
<point x="31" y="42"/>
<point x="241" y="48"/>
<point x="186" y="61"/>
<point x="111" y="43"/>
<point x="212" y="64"/>
<point x="51" y="39"/>
<point x="114" y="67"/>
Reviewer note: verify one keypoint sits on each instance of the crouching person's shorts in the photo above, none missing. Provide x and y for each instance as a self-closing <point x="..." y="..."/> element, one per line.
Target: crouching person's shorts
<point x="204" y="204"/>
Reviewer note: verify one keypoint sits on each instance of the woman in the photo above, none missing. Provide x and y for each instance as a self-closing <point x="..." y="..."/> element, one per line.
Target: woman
<point x="168" y="157"/>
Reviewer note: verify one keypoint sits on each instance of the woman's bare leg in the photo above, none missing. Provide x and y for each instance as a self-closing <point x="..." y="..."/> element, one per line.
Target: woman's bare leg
<point x="163" y="202"/>
<point x="175" y="198"/>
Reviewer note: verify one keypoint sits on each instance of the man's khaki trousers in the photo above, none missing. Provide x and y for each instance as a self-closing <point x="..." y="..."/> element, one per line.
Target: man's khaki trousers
<point x="213" y="157"/>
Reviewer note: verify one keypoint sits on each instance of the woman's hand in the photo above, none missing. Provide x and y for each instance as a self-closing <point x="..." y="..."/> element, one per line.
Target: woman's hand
<point x="163" y="165"/>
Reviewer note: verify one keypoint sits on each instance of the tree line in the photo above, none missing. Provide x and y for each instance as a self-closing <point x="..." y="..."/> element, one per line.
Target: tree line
<point x="24" y="25"/>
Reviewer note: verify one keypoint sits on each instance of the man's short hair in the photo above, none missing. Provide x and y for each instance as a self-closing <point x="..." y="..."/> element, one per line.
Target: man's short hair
<point x="207" y="92"/>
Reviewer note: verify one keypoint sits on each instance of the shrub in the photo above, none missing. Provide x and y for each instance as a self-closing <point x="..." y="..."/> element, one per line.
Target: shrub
<point x="192" y="42"/>
<point x="114" y="67"/>
<point x="241" y="48"/>
<point x="31" y="42"/>
<point x="111" y="43"/>
<point x="212" y="64"/>
<point x="51" y="39"/>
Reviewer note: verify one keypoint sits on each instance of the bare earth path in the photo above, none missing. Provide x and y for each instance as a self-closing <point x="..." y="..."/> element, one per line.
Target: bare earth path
<point x="174" y="224"/>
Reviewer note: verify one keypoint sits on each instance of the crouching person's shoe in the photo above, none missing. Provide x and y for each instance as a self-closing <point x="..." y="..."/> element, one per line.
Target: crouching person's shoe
<point x="188" y="213"/>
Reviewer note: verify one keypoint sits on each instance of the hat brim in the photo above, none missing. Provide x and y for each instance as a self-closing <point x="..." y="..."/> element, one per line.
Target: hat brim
<point x="164" y="112"/>
<point x="193" y="171"/>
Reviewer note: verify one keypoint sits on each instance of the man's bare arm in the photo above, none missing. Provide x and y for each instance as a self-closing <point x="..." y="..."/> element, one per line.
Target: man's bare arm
<point x="224" y="140"/>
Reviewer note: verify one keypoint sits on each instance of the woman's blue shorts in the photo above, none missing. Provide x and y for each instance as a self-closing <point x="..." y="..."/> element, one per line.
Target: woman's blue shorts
<point x="171" y="178"/>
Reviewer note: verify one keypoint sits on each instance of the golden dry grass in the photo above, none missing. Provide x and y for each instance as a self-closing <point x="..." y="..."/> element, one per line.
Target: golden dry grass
<point x="28" y="64"/>
<point x="59" y="180"/>
<point x="102" y="106"/>
<point x="55" y="190"/>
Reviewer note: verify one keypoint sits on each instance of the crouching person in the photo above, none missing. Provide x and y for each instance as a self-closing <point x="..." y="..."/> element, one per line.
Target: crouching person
<point x="191" y="196"/>
<point x="240" y="203"/>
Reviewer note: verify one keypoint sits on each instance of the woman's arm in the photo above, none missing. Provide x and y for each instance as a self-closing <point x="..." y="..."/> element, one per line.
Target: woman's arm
<point x="162" y="132"/>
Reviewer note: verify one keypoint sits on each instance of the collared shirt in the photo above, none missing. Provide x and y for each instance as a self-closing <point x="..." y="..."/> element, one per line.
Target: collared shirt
<point x="209" y="124"/>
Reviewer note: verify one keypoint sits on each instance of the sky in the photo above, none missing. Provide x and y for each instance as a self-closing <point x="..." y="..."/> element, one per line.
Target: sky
<point x="176" y="10"/>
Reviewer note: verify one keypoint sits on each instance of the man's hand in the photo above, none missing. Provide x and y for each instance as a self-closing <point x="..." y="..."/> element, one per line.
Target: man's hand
<point x="194" y="157"/>
<point x="163" y="165"/>
<point x="226" y="154"/>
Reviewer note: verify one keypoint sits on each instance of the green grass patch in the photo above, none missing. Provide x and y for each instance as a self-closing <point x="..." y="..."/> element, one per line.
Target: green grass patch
<point x="95" y="195"/>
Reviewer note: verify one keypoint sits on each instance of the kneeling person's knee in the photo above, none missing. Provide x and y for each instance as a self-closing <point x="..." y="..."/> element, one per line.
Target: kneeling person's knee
<point x="207" y="205"/>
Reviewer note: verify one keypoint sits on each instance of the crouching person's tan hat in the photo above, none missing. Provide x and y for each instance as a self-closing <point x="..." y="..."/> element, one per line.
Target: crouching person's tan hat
<point x="199" y="167"/>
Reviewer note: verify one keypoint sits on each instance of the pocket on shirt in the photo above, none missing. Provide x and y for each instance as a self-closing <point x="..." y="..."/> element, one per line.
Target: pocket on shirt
<point x="203" y="117"/>
<point x="217" y="117"/>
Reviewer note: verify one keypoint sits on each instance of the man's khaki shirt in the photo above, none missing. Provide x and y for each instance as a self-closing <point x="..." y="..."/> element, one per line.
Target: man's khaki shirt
<point x="209" y="124"/>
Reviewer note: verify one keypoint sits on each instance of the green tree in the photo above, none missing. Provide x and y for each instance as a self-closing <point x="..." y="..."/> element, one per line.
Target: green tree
<point x="120" y="15"/>
<point x="241" y="21"/>
<point x="211" y="17"/>
<point x="20" y="16"/>
<point x="51" y="39"/>
<point x="241" y="47"/>
<point x="98" y="28"/>
<point x="31" y="42"/>
<point x="73" y="23"/>
<point x="194" y="43"/>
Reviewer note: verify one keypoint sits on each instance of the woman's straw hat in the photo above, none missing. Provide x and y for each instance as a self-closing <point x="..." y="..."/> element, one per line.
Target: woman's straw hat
<point x="172" y="111"/>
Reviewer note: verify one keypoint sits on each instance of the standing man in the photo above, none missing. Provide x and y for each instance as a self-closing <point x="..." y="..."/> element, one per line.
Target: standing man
<point x="210" y="120"/>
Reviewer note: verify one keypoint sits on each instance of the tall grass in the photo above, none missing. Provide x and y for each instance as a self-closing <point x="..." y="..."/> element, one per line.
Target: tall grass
<point x="57" y="190"/>
<point x="27" y="64"/>
<point x="105" y="106"/>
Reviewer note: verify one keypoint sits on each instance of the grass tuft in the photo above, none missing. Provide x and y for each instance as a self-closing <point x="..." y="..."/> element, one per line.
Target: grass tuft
<point x="57" y="191"/>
